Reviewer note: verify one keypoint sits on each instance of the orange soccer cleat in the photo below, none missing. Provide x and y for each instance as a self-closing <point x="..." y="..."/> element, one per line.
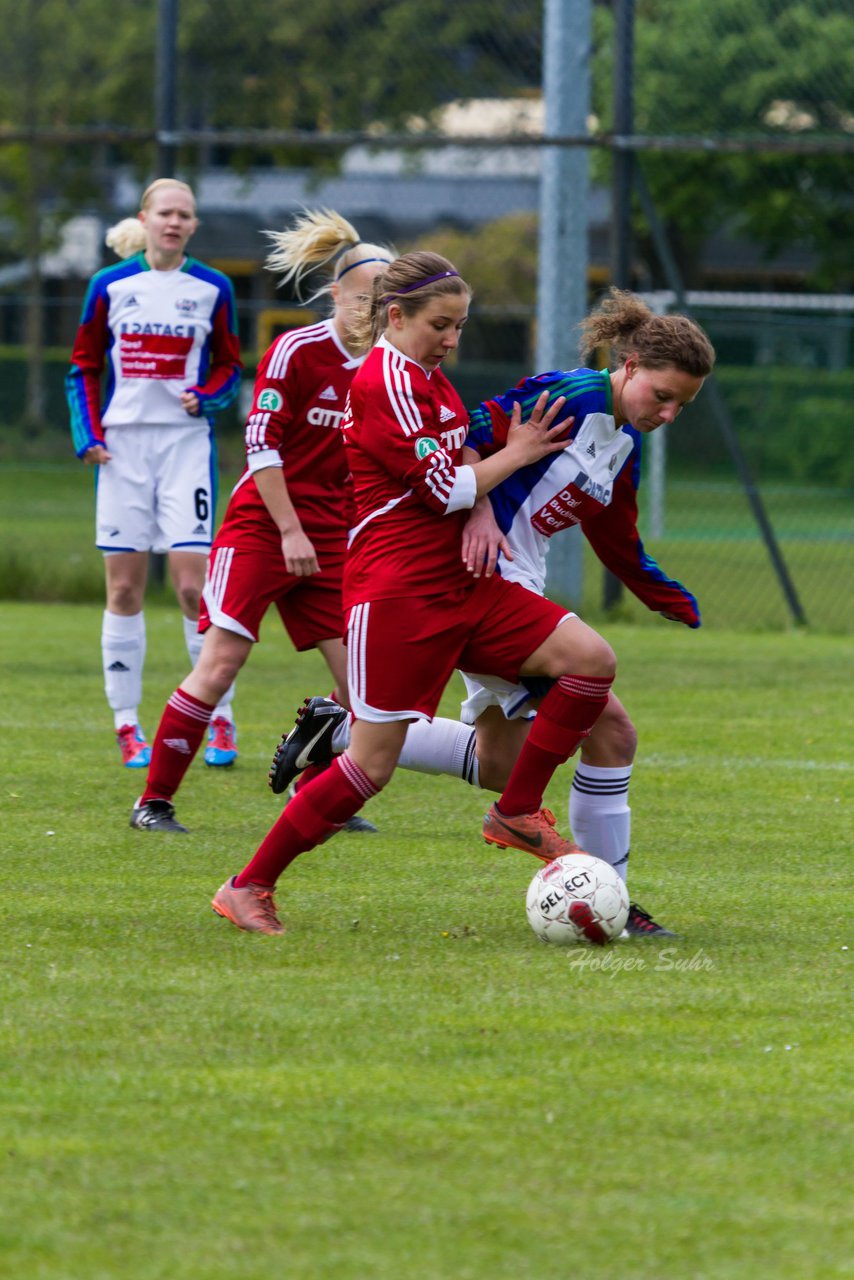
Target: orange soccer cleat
<point x="532" y="833"/>
<point x="252" y="908"/>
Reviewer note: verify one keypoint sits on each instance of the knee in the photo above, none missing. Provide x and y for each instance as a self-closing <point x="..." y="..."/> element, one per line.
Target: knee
<point x="189" y="598"/>
<point x="214" y="673"/>
<point x="378" y="764"/>
<point x="380" y="772"/>
<point x="383" y="778"/>
<point x="606" y="661"/>
<point x="596" y="658"/>
<point x="223" y="671"/>
<point x="124" y="598"/>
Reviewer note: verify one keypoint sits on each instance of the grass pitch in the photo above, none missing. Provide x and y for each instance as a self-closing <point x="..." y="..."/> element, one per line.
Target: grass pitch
<point x="408" y="1084"/>
<point x="710" y="543"/>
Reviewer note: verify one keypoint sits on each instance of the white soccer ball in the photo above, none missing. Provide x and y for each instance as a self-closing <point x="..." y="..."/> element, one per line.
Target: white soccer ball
<point x="577" y="898"/>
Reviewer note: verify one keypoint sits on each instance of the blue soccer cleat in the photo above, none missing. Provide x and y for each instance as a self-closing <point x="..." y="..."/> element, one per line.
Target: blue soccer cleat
<point x="136" y="753"/>
<point x="221" y="751"/>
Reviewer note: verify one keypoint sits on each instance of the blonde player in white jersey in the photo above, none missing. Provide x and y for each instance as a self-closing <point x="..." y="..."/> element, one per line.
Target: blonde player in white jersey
<point x="162" y="328"/>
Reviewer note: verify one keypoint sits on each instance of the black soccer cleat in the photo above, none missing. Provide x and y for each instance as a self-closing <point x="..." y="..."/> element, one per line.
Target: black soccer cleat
<point x="156" y="815"/>
<point x="309" y="742"/>
<point x="640" y="924"/>
<point x="357" y="825"/>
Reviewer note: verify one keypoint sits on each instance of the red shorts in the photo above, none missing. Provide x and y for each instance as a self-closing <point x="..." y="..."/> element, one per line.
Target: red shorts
<point x="402" y="653"/>
<point x="243" y="580"/>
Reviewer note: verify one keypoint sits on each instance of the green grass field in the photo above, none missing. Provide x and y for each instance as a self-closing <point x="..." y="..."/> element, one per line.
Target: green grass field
<point x="408" y="1084"/>
<point x="711" y="544"/>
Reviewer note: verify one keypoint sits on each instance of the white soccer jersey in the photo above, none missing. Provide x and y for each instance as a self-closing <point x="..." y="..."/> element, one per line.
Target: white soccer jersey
<point x="158" y="334"/>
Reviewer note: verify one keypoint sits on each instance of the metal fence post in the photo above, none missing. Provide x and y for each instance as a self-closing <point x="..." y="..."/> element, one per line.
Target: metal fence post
<point x="165" y="113"/>
<point x="621" y="192"/>
<point x="563" y="249"/>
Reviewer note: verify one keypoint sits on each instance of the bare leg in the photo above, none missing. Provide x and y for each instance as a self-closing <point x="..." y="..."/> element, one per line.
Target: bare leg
<point x="335" y="655"/>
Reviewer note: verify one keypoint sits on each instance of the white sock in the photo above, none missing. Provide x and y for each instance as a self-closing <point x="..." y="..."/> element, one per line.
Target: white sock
<point x="194" y="641"/>
<point x="123" y="657"/>
<point x="599" y="815"/>
<point x="441" y="746"/>
<point x="341" y="737"/>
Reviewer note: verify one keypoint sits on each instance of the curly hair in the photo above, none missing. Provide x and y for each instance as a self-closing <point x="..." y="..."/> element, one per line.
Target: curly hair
<point x="626" y="325"/>
<point x="126" y="238"/>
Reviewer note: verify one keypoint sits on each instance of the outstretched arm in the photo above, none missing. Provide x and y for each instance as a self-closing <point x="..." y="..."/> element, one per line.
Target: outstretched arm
<point x="613" y="535"/>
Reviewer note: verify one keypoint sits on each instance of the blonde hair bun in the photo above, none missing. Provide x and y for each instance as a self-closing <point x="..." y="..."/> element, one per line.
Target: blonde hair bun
<point x="126" y="238"/>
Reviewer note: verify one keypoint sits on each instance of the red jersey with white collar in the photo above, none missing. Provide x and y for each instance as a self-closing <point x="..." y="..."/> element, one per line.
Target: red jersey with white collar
<point x="404" y="434"/>
<point x="295" y="423"/>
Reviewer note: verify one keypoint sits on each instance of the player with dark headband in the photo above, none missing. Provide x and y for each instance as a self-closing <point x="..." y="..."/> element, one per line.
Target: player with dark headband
<point x="414" y="611"/>
<point x="660" y="363"/>
<point x="284" y="535"/>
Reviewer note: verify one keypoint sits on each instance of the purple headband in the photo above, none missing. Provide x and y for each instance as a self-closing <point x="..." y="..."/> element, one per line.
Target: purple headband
<point x="419" y="284"/>
<point x="360" y="263"/>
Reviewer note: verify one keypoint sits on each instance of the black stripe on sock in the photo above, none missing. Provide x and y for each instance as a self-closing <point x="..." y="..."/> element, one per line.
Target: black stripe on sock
<point x="469" y="759"/>
<point x="618" y="787"/>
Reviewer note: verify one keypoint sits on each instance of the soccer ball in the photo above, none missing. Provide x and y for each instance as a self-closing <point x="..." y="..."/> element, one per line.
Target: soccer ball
<point x="577" y="898"/>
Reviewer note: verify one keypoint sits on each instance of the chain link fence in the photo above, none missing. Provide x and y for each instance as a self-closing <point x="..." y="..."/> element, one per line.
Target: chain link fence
<point x="425" y="124"/>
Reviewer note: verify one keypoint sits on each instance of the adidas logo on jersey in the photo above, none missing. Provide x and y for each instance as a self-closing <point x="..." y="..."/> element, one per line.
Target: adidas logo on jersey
<point x="445" y="415"/>
<point x="117" y="666"/>
<point x="200" y="528"/>
<point x="591" y="450"/>
<point x="131" y="301"/>
<point x="329" y="394"/>
<point x="178" y="744"/>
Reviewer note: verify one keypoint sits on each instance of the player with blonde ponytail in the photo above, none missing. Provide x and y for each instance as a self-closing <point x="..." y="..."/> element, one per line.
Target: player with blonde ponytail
<point x="126" y="238"/>
<point x="284" y="535"/>
<point x="164" y="327"/>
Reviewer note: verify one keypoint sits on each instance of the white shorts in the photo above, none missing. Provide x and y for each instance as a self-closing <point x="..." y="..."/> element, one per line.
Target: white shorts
<point x="158" y="491"/>
<point x="490" y="691"/>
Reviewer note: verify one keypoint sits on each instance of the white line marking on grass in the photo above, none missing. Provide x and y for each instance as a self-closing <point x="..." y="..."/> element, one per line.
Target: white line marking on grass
<point x="663" y="761"/>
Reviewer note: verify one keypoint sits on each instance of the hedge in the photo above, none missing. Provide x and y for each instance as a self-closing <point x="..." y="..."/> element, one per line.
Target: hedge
<point x="793" y="424"/>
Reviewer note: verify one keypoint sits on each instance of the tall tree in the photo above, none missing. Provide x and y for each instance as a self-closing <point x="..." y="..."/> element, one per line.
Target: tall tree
<point x="779" y="68"/>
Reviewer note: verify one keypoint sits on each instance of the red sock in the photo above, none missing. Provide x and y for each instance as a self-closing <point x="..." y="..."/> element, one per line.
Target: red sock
<point x="179" y="735"/>
<point x="309" y="772"/>
<point x="316" y="812"/>
<point x="565" y="717"/>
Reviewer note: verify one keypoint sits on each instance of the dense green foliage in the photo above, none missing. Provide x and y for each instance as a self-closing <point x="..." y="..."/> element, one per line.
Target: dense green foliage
<point x="729" y="70"/>
<point x="793" y="424"/>
<point x="775" y="67"/>
<point x="408" y="1084"/>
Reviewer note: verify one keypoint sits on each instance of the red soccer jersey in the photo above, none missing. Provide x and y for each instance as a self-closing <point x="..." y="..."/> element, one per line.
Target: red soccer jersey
<point x="300" y="392"/>
<point x="404" y="434"/>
